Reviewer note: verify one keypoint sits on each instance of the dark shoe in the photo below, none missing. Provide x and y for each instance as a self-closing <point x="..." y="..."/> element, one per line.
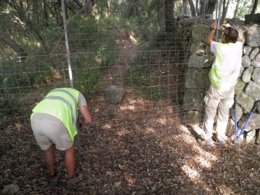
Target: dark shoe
<point x="53" y="180"/>
<point x="209" y="143"/>
<point x="72" y="182"/>
<point x="221" y="143"/>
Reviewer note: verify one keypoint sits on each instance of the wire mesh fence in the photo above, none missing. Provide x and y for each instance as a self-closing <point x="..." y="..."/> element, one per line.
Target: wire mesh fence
<point x="151" y="75"/>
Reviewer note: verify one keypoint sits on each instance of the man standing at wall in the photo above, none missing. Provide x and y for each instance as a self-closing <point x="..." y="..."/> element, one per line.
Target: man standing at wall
<point x="223" y="78"/>
<point x="53" y="122"/>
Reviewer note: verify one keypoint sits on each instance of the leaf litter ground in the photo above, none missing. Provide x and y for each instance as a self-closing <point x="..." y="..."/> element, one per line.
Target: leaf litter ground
<point x="137" y="147"/>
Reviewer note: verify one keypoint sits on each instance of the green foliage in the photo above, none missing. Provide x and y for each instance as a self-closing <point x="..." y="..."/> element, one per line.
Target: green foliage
<point x="87" y="74"/>
<point x="107" y="51"/>
<point x="141" y="15"/>
<point x="52" y="34"/>
<point x="86" y="36"/>
<point x="84" y="25"/>
<point x="245" y="7"/>
<point x="96" y="48"/>
<point x="139" y="71"/>
<point x="9" y="105"/>
<point x="89" y="82"/>
<point x="139" y="77"/>
<point x="9" y="78"/>
<point x="37" y="27"/>
<point x="153" y="93"/>
<point x="142" y="74"/>
<point x="19" y="76"/>
<point x="136" y="76"/>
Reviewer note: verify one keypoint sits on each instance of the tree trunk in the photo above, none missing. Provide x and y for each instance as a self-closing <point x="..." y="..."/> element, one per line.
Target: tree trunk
<point x="77" y="4"/>
<point x="46" y="15"/>
<point x="254" y="7"/>
<point x="197" y="7"/>
<point x="35" y="11"/>
<point x="161" y="14"/>
<point x="185" y="8"/>
<point x="225" y="9"/>
<point x="169" y="18"/>
<point x="132" y="8"/>
<point x="108" y="6"/>
<point x="74" y="6"/>
<point x="207" y="6"/>
<point x="55" y="9"/>
<point x="88" y="6"/>
<point x="192" y="8"/>
<point x="203" y="7"/>
<point x="29" y="24"/>
<point x="236" y="9"/>
<point x="11" y="43"/>
<point x="211" y="6"/>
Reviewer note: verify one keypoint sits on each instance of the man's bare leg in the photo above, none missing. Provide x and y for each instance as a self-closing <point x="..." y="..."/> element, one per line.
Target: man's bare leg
<point x="70" y="162"/>
<point x="49" y="159"/>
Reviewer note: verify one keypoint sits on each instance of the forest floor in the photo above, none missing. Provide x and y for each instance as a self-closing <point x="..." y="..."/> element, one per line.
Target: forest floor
<point x="137" y="147"/>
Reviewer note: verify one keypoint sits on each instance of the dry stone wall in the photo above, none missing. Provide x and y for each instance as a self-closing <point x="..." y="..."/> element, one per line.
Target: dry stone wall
<point x="200" y="61"/>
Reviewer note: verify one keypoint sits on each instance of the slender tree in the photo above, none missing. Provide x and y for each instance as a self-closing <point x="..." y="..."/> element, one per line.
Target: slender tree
<point x="14" y="45"/>
<point x="203" y="7"/>
<point x="133" y="8"/>
<point x="192" y="8"/>
<point x="254" y="7"/>
<point x="236" y="9"/>
<point x="46" y="15"/>
<point x="185" y="8"/>
<point x="211" y="6"/>
<point x="224" y="9"/>
<point x="169" y="19"/>
<point x="207" y="6"/>
<point x="197" y="7"/>
<point x="161" y="14"/>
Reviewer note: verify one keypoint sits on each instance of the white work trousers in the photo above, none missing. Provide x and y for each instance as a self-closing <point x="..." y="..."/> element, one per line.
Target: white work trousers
<point x="217" y="106"/>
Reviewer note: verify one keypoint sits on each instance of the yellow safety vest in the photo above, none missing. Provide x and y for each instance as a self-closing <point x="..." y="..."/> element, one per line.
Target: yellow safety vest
<point x="214" y="76"/>
<point x="226" y="67"/>
<point x="62" y="104"/>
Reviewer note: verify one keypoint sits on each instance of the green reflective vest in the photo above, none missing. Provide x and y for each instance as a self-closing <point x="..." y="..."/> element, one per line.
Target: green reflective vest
<point x="62" y="104"/>
<point x="227" y="64"/>
<point x="214" y="76"/>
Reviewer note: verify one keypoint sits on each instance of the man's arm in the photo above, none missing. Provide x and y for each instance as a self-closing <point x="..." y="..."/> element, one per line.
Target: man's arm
<point x="213" y="28"/>
<point x="86" y="114"/>
<point x="242" y="35"/>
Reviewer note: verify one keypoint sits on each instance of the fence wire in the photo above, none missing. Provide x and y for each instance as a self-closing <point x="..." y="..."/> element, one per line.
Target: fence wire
<point x="151" y="75"/>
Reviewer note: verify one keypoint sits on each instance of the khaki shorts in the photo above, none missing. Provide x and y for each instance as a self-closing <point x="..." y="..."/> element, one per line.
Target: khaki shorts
<point x="49" y="130"/>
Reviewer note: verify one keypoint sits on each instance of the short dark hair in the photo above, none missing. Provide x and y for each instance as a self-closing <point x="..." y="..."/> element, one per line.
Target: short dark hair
<point x="231" y="35"/>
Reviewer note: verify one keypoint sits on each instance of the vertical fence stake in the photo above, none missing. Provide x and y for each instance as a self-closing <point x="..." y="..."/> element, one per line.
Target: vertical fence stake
<point x="67" y="43"/>
<point x="218" y="17"/>
<point x="68" y="56"/>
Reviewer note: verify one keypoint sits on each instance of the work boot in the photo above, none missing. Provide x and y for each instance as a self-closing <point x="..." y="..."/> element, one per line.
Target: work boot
<point x="220" y="143"/>
<point x="222" y="140"/>
<point x="209" y="143"/>
<point x="53" y="180"/>
<point x="72" y="182"/>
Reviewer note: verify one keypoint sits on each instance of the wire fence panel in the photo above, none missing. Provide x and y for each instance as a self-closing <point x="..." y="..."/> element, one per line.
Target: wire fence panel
<point x="151" y="75"/>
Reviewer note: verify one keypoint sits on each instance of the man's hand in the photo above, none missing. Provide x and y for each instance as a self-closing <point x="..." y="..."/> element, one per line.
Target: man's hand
<point x="214" y="25"/>
<point x="86" y="115"/>
<point x="80" y="123"/>
<point x="213" y="28"/>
